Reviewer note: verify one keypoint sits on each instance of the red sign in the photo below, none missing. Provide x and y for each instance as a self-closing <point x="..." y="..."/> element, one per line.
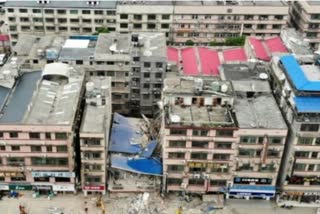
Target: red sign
<point x="93" y="188"/>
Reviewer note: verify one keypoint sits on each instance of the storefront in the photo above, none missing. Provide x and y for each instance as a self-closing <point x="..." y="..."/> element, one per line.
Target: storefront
<point x="20" y="187"/>
<point x="42" y="189"/>
<point x="252" y="191"/>
<point x="300" y="197"/>
<point x="64" y="188"/>
<point x="93" y="189"/>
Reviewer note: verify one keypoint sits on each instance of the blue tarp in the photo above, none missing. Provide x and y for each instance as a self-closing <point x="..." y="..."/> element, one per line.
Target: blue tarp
<point x="84" y="37"/>
<point x="307" y="104"/>
<point x="148" y="166"/>
<point x="119" y="119"/>
<point x="297" y="75"/>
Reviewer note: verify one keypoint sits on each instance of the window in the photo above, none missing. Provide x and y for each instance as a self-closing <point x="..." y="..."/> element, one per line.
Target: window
<point x="35" y="61"/>
<point x="61" y="136"/>
<point x="248" y="140"/>
<point x="313" y="26"/>
<point x="137" y="26"/>
<point x="278" y="17"/>
<point x="151" y="17"/>
<point x="220" y="168"/>
<point x="175" y="168"/>
<point x="37" y="161"/>
<point x="62" y="149"/>
<point x="176" y="155"/>
<point x="151" y="26"/>
<point x="1" y="134"/>
<point x="41" y="179"/>
<point x="93" y="179"/>
<point x="49" y="148"/>
<point x="98" y="12"/>
<point x="196" y="182"/>
<point x="221" y="156"/>
<point x="261" y="26"/>
<point x="10" y="10"/>
<point x="48" y="135"/>
<point x="165" y="17"/>
<point x="245" y="167"/>
<point x="178" y="132"/>
<point x="87" y="21"/>
<point x="147" y="64"/>
<point x="200" y="132"/>
<point x="174" y="181"/>
<point x="75" y="29"/>
<point x="35" y="148"/>
<point x="15" y="148"/>
<point x="98" y="21"/>
<point x="2" y="148"/>
<point x="200" y="144"/>
<point x="224" y="133"/>
<point x="24" y="19"/>
<point x="13" y="134"/>
<point x="218" y="182"/>
<point x="146" y="85"/>
<point x="159" y="64"/>
<point x="50" y="28"/>
<point x="13" y="28"/>
<point x="247" y="152"/>
<point x="177" y="144"/>
<point x="275" y="140"/>
<point x="223" y="145"/>
<point x="248" y="17"/>
<point x="300" y="166"/>
<point x="199" y="156"/>
<point x="36" y="11"/>
<point x="79" y="62"/>
<point x="137" y="17"/>
<point x="301" y="154"/>
<point x="34" y="135"/>
<point x="311" y="34"/>
<point x="61" y="12"/>
<point x="165" y="26"/>
<point x="273" y="153"/>
<point x="123" y="16"/>
<point x="314" y="155"/>
<point x="73" y="11"/>
<point x="309" y="127"/>
<point x="111" y="13"/>
<point x="23" y="10"/>
<point x="305" y="140"/>
<point x="50" y="20"/>
<point x="62" y="20"/>
<point x="49" y="11"/>
<point x="123" y="25"/>
<point x="15" y="161"/>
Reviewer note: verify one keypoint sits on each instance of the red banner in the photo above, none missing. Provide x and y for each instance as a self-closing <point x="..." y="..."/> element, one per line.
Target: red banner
<point x="93" y="188"/>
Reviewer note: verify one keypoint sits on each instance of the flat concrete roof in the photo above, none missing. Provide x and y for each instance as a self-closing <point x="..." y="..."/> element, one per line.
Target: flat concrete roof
<point x="62" y="4"/>
<point x="56" y="98"/>
<point x="243" y="71"/>
<point x="97" y="117"/>
<point x="259" y="111"/>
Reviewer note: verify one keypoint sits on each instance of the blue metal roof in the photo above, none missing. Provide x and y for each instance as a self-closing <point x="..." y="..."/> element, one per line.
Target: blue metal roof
<point x="123" y="134"/>
<point x="307" y="104"/>
<point x="148" y="166"/>
<point x="248" y="188"/>
<point x="297" y="76"/>
<point x="148" y="151"/>
<point x="20" y="98"/>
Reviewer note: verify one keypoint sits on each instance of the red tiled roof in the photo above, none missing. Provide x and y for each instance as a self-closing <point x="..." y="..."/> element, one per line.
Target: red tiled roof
<point x="209" y="61"/>
<point x="189" y="62"/>
<point x="276" y="45"/>
<point x="259" y="50"/>
<point x="235" y="54"/>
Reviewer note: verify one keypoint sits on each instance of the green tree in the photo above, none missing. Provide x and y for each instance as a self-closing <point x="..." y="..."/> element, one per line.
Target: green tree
<point x="235" y="41"/>
<point x="189" y="43"/>
<point x="101" y="30"/>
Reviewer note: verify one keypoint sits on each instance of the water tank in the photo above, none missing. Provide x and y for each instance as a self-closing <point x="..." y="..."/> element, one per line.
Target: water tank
<point x="263" y="76"/>
<point x="215" y="86"/>
<point x="224" y="88"/>
<point x="89" y="86"/>
<point x="175" y="118"/>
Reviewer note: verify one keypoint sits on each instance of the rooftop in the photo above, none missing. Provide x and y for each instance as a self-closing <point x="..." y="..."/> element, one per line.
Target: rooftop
<point x="96" y="114"/>
<point x="244" y="71"/>
<point x="62" y="4"/>
<point x="303" y="78"/>
<point x="259" y="111"/>
<point x="77" y="49"/>
<point x="57" y="96"/>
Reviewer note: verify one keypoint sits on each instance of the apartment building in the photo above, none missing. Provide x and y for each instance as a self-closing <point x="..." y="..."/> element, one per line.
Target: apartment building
<point x="42" y="17"/>
<point x="198" y="135"/>
<point x="137" y="65"/>
<point x="94" y="135"/>
<point x="203" y="21"/>
<point x="40" y="116"/>
<point x="262" y="131"/>
<point x="305" y="17"/>
<point x="297" y="90"/>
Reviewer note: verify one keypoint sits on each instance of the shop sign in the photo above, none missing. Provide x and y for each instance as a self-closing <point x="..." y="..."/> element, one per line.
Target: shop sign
<point x="20" y="187"/>
<point x="93" y="188"/>
<point x="53" y="174"/>
<point x="63" y="188"/>
<point x="43" y="187"/>
<point x="4" y="187"/>
<point x="311" y="193"/>
<point x="239" y="180"/>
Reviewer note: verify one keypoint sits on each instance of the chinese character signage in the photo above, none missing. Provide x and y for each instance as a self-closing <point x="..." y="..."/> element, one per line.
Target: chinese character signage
<point x="53" y="174"/>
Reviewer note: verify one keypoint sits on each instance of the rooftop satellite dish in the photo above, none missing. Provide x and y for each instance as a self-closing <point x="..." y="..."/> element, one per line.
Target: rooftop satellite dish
<point x="263" y="76"/>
